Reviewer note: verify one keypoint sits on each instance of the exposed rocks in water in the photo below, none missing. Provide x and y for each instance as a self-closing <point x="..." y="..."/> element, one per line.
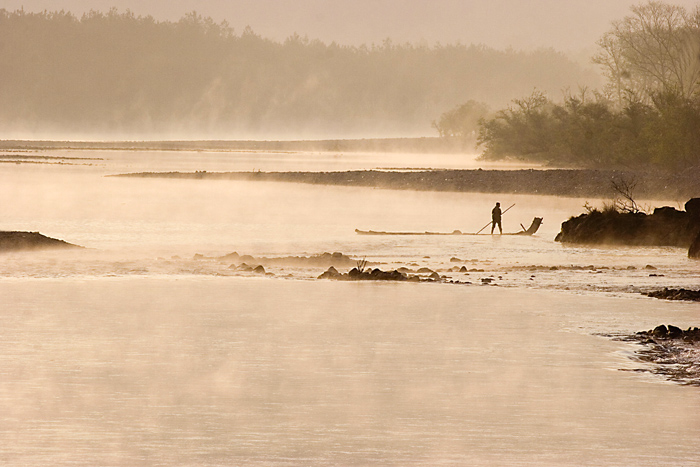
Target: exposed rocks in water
<point x="675" y="294"/>
<point x="17" y="241"/>
<point x="672" y="332"/>
<point x="244" y="267"/>
<point x="324" y="260"/>
<point x="674" y="352"/>
<point x="667" y="226"/>
<point x="376" y="275"/>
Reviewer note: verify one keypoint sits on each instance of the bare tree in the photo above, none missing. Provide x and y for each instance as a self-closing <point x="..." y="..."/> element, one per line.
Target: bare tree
<point x="654" y="49"/>
<point x="624" y="194"/>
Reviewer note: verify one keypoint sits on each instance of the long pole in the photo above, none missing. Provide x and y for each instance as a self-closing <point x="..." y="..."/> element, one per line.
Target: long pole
<point x="492" y="221"/>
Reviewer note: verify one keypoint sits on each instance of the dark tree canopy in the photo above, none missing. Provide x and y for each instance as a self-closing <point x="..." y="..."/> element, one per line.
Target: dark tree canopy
<point x="647" y="116"/>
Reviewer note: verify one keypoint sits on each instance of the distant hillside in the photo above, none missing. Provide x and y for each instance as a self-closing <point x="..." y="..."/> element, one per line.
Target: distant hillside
<point x="116" y="73"/>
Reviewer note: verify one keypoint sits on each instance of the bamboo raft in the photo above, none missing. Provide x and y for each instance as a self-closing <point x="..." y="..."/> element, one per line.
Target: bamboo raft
<point x="536" y="222"/>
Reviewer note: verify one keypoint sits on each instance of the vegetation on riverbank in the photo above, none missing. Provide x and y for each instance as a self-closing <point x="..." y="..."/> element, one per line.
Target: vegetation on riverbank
<point x="588" y="131"/>
<point x="647" y="115"/>
<point x="666" y="226"/>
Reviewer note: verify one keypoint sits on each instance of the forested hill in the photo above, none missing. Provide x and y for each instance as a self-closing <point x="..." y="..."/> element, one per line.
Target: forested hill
<point x="122" y="74"/>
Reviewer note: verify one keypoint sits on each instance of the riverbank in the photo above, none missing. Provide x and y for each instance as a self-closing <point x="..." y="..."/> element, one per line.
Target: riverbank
<point x="554" y="182"/>
<point x="16" y="241"/>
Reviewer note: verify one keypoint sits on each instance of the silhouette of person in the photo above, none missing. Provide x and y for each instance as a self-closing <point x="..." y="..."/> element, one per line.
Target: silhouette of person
<point x="496" y="218"/>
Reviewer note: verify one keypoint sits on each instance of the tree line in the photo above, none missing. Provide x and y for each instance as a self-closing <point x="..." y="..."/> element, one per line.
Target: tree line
<point x="647" y="114"/>
<point x="122" y="73"/>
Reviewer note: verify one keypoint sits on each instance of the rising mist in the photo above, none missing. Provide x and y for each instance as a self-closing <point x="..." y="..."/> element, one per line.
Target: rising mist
<point x="122" y="75"/>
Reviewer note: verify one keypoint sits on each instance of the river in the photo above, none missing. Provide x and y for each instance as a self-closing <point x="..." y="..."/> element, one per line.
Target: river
<point x="135" y="352"/>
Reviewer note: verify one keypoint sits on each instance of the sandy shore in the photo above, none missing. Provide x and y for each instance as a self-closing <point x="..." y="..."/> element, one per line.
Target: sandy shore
<point x="556" y="182"/>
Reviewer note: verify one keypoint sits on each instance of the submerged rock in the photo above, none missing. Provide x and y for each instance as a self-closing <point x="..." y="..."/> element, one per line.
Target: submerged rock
<point x="230" y="257"/>
<point x="17" y="241"/>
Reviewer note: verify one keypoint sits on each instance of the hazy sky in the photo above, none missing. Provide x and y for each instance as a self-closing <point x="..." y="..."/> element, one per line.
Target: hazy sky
<point x="567" y="25"/>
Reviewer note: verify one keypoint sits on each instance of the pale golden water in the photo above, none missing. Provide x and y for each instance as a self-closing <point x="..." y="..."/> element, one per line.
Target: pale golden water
<point x="132" y="352"/>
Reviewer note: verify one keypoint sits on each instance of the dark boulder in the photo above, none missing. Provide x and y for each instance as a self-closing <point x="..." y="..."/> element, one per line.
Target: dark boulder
<point x="672" y="332"/>
<point x="692" y="207"/>
<point x="669" y="213"/>
<point x="331" y="273"/>
<point x="694" y="250"/>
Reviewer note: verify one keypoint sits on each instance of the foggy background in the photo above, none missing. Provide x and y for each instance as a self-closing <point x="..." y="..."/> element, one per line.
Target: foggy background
<point x="266" y="69"/>
<point x="569" y="26"/>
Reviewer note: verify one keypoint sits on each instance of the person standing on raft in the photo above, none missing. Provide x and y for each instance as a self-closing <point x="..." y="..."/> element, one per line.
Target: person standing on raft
<point x="496" y="218"/>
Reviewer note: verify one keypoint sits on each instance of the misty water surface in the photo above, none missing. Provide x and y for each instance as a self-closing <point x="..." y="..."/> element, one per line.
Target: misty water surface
<point x="133" y="352"/>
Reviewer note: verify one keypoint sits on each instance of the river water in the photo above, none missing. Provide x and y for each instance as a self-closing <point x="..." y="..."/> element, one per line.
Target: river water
<point x="135" y="352"/>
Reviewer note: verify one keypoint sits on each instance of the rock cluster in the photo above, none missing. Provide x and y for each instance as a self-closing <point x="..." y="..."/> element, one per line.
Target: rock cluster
<point x="673" y="352"/>
<point x="675" y="294"/>
<point x="376" y="275"/>
<point x="672" y="332"/>
<point x="244" y="267"/>
<point x="667" y="226"/>
<point x="335" y="259"/>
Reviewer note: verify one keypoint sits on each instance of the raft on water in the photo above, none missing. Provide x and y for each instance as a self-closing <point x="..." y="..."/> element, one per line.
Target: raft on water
<point x="536" y="222"/>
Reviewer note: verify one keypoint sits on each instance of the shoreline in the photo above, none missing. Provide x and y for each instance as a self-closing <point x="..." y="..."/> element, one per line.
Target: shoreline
<point x="426" y="144"/>
<point x="573" y="183"/>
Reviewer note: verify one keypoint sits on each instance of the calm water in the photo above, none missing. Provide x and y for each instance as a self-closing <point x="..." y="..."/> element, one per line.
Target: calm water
<point x="132" y="352"/>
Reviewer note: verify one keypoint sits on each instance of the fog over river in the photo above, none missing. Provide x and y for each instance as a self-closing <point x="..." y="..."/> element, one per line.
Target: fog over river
<point x="134" y="351"/>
